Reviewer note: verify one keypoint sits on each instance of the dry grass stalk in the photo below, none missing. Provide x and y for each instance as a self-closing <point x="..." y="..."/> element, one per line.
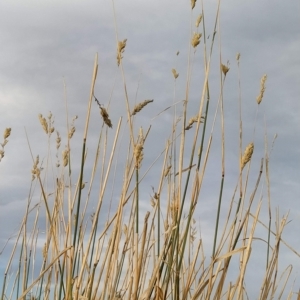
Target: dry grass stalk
<point x="247" y="155"/>
<point x="238" y="56"/>
<point x="193" y="3"/>
<point x="196" y="39"/>
<point x="140" y="106"/>
<point x="262" y="89"/>
<point x="224" y="69"/>
<point x="198" y="21"/>
<point x="175" y="74"/>
<point x="167" y="170"/>
<point x="120" y="50"/>
<point x="186" y="169"/>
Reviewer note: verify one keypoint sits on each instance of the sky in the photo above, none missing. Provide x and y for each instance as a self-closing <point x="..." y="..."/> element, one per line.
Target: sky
<point x="49" y="45"/>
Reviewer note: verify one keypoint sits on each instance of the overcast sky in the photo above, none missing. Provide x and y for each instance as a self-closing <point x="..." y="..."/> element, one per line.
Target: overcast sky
<point x="47" y="43"/>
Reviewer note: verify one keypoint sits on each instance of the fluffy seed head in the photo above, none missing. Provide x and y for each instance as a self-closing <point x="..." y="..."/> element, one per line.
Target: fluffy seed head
<point x="192" y="121"/>
<point x="224" y="69"/>
<point x="43" y="123"/>
<point x="175" y="74"/>
<point x="105" y="117"/>
<point x="198" y="21"/>
<point x="138" y="154"/>
<point x="65" y="156"/>
<point x="71" y="132"/>
<point x="247" y="155"/>
<point x="140" y="106"/>
<point x="262" y="89"/>
<point x="120" y="50"/>
<point x="193" y="3"/>
<point x="196" y="39"/>
<point x="58" y="140"/>
<point x="7" y="133"/>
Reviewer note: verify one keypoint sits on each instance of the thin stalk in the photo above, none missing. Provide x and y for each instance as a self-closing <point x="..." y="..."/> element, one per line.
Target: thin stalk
<point x="94" y="76"/>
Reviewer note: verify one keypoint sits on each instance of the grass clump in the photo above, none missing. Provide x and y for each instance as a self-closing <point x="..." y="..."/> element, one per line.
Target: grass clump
<point x="124" y="252"/>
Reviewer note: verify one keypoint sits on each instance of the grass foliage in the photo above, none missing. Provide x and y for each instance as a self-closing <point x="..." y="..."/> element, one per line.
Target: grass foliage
<point x="125" y="253"/>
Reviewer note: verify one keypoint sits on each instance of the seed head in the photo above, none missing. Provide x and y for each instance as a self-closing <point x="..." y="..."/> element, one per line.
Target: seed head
<point x="175" y="74"/>
<point x="247" y="155"/>
<point x="196" y="39"/>
<point x="193" y="3"/>
<point x="7" y="133"/>
<point x="105" y="117"/>
<point x="140" y="106"/>
<point x="43" y="123"/>
<point x="224" y="69"/>
<point x="262" y="89"/>
<point x="120" y="50"/>
<point x="198" y="21"/>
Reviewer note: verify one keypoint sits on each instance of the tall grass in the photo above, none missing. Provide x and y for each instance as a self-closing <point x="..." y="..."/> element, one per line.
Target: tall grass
<point x="133" y="254"/>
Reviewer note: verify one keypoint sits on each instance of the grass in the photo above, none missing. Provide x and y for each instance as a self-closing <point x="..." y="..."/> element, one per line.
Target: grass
<point x="133" y="254"/>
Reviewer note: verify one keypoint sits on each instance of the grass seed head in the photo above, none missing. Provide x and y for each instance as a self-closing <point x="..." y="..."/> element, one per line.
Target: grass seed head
<point x="105" y="117"/>
<point x="192" y="121"/>
<point x="1" y="154"/>
<point x="193" y="3"/>
<point x="196" y="39"/>
<point x="238" y="56"/>
<point x="65" y="156"/>
<point x="138" y="154"/>
<point x="43" y="123"/>
<point x="224" y="69"/>
<point x="58" y="140"/>
<point x="198" y="21"/>
<point x="71" y="132"/>
<point x="35" y="169"/>
<point x="6" y="133"/>
<point x="120" y="50"/>
<point x="262" y="89"/>
<point x="175" y="74"/>
<point x="247" y="155"/>
<point x="140" y="106"/>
